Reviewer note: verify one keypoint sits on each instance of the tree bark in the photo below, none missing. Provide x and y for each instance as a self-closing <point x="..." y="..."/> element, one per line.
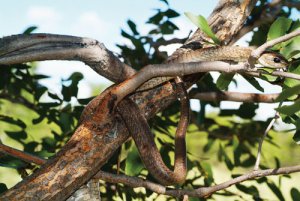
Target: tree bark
<point x="92" y="144"/>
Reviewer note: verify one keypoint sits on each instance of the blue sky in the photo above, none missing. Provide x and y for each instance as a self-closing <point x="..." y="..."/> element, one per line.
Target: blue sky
<point x="101" y="20"/>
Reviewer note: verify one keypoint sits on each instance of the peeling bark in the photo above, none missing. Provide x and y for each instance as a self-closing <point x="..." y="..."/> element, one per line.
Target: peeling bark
<point x="92" y="145"/>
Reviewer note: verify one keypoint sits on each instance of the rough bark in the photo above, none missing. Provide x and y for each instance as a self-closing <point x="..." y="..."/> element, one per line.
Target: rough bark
<point x="92" y="143"/>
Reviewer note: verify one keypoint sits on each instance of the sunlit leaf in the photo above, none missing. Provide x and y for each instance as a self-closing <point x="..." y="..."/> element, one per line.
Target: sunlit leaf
<point x="201" y="23"/>
<point x="279" y="28"/>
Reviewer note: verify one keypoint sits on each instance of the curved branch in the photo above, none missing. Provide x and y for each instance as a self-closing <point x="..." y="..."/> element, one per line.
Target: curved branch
<point x="200" y="192"/>
<point x="39" y="47"/>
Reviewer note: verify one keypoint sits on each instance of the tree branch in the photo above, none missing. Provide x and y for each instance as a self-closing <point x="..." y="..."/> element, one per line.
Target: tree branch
<point x="233" y="96"/>
<point x="39" y="47"/>
<point x="21" y="155"/>
<point x="257" y="52"/>
<point x="256" y="166"/>
<point x="136" y="182"/>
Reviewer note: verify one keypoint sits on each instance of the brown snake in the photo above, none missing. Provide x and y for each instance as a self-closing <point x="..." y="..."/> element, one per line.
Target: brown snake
<point x="140" y="131"/>
<point x="137" y="124"/>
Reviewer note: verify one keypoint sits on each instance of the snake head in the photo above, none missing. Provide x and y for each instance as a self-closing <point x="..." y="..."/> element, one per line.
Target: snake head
<point x="271" y="59"/>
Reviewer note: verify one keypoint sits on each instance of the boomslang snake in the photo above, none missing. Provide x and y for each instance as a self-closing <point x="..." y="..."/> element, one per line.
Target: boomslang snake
<point x="137" y="124"/>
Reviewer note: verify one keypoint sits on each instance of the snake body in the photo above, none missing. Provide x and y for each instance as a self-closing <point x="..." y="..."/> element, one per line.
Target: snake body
<point x="223" y="53"/>
<point x="137" y="124"/>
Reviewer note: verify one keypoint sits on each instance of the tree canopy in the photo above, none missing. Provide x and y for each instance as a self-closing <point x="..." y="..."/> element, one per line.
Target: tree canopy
<point x="224" y="146"/>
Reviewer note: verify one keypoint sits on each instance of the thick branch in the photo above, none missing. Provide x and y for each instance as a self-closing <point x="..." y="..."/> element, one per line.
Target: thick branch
<point x="39" y="47"/>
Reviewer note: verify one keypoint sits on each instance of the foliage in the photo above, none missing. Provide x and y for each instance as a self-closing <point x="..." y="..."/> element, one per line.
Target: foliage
<point x="229" y="138"/>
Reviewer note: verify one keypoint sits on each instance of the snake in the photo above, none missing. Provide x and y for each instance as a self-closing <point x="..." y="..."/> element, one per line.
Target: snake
<point x="137" y="124"/>
<point x="268" y="59"/>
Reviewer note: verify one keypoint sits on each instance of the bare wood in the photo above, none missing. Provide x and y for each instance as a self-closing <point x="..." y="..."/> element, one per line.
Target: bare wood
<point x="40" y="47"/>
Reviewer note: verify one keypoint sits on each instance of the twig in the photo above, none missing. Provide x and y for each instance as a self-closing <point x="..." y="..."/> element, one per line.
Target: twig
<point x="200" y="192"/>
<point x="258" y="51"/>
<point x="21" y="155"/>
<point x="256" y="166"/>
<point x="233" y="96"/>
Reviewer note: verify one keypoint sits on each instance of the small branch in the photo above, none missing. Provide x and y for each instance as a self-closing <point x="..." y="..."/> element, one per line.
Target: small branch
<point x="233" y="96"/>
<point x="257" y="52"/>
<point x="21" y="155"/>
<point x="256" y="166"/>
<point x="293" y="4"/>
<point x="282" y="74"/>
<point x="135" y="182"/>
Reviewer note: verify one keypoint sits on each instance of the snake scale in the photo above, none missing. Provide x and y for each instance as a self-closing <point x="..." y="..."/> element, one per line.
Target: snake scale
<point x="137" y="124"/>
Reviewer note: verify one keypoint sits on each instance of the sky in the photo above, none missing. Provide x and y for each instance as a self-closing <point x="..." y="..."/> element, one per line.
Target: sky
<point x="101" y="20"/>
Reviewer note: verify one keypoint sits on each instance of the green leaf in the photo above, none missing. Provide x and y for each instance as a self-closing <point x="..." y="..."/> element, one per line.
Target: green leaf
<point x="279" y="28"/>
<point x="247" y="110"/>
<point x="295" y="194"/>
<point x="252" y="190"/>
<point x="291" y="47"/>
<point x="3" y="187"/>
<point x="286" y="93"/>
<point x="296" y="137"/>
<point x="289" y="109"/>
<point x="275" y="190"/>
<point x="132" y="26"/>
<point x="208" y="172"/>
<point x="165" y="1"/>
<point x="201" y="22"/>
<point x="13" y="121"/>
<point x="76" y="77"/>
<point x="17" y="135"/>
<point x="84" y="101"/>
<point x="170" y="13"/>
<point x="29" y="30"/>
<point x="253" y="82"/>
<point x="224" y="80"/>
<point x="134" y="164"/>
<point x="294" y="68"/>
<point x="226" y="158"/>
